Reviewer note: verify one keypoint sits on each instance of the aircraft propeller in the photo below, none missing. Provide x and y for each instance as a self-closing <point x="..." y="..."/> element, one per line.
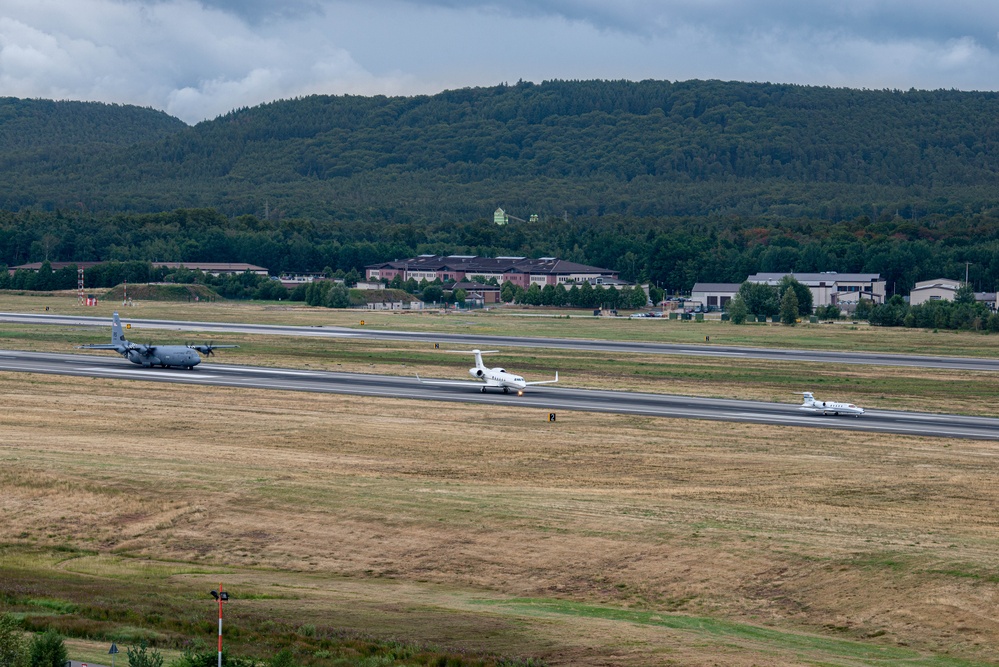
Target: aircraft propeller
<point x="208" y="349"/>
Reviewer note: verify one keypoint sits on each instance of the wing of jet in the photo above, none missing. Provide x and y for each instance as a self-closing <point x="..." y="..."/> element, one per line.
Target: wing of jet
<point x="544" y="381"/>
<point x="459" y="383"/>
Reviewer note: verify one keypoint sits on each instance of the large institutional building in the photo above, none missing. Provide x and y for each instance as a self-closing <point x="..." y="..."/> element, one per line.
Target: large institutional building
<point x="518" y="270"/>
<point x="842" y="289"/>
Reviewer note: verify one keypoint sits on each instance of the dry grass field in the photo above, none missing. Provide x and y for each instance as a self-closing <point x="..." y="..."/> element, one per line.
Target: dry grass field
<point x="597" y="540"/>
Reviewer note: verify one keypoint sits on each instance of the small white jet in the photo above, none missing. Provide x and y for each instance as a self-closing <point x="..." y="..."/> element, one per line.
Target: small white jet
<point x="489" y="377"/>
<point x="809" y="404"/>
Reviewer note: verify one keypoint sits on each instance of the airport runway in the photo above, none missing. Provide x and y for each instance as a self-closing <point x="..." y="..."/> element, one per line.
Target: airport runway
<point x="468" y="341"/>
<point x="546" y="399"/>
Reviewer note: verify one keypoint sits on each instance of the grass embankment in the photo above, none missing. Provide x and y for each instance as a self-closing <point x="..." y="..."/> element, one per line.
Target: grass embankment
<point x="577" y="324"/>
<point x="599" y="539"/>
<point x="160" y="292"/>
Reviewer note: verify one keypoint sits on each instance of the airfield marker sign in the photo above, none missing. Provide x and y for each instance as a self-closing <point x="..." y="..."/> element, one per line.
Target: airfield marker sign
<point x="221" y="596"/>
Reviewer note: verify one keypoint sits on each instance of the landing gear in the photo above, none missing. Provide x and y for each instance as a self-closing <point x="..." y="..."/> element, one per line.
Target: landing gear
<point x="483" y="390"/>
<point x="506" y="390"/>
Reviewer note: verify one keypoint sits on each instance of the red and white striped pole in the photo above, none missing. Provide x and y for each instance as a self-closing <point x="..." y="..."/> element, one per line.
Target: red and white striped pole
<point x="220" y="624"/>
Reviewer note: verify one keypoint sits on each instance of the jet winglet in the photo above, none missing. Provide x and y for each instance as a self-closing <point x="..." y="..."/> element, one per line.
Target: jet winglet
<point x="544" y="381"/>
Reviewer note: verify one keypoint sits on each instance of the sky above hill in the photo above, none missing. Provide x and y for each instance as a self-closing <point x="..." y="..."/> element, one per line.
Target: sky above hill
<point x="199" y="59"/>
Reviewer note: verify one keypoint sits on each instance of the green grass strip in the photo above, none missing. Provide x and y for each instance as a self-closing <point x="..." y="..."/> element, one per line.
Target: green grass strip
<point x="815" y="648"/>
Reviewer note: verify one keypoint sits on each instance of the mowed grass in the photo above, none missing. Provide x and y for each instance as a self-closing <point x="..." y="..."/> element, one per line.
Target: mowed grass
<point x="599" y="539"/>
<point x="508" y="321"/>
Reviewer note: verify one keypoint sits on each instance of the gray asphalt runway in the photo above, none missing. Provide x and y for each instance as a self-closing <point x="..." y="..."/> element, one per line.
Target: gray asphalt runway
<point x="550" y="398"/>
<point x="470" y="341"/>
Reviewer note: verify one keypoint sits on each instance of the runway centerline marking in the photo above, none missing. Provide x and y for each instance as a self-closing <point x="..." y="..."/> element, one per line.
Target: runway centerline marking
<point x="149" y="373"/>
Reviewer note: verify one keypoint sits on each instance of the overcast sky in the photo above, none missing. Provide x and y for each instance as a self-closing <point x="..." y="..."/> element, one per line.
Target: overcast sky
<point x="197" y="59"/>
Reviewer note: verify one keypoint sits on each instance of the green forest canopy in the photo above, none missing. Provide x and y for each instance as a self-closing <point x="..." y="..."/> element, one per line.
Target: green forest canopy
<point x="579" y="148"/>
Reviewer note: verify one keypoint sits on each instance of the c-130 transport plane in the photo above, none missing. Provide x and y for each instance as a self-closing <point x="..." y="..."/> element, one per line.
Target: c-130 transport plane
<point x="489" y="377"/>
<point x="147" y="356"/>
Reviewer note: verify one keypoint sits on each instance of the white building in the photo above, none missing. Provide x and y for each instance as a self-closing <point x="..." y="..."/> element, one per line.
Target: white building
<point x="940" y="289"/>
<point x="713" y="295"/>
<point x="831" y="288"/>
<point x="944" y="289"/>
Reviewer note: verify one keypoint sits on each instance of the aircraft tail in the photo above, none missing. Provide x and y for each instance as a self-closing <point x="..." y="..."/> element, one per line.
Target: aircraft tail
<point x="478" y="356"/>
<point x="806" y="397"/>
<point x="117" y="333"/>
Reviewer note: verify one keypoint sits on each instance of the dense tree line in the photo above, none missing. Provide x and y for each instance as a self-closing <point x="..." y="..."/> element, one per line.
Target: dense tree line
<point x="672" y="253"/>
<point x="244" y="285"/>
<point x="579" y="148"/>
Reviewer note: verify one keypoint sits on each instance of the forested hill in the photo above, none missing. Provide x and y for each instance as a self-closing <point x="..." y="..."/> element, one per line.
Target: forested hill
<point x="582" y="148"/>
<point x="39" y="136"/>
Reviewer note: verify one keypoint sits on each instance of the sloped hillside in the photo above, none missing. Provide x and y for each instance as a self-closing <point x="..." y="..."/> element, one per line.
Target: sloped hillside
<point x="592" y="148"/>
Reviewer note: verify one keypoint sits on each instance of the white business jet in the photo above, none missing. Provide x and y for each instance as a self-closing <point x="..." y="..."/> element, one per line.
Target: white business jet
<point x="489" y="377"/>
<point x="827" y="407"/>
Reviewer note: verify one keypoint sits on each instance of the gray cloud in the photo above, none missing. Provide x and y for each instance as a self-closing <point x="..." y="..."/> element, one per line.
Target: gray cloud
<point x="875" y="19"/>
<point x="257" y="11"/>
<point x="200" y="58"/>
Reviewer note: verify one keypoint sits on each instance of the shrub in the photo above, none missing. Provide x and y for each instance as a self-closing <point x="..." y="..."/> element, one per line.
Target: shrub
<point x="47" y="650"/>
<point x="13" y="648"/>
<point x="143" y="657"/>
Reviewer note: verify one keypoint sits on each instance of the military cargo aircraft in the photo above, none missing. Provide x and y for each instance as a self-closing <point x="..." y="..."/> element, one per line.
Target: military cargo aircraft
<point x="147" y="356"/>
